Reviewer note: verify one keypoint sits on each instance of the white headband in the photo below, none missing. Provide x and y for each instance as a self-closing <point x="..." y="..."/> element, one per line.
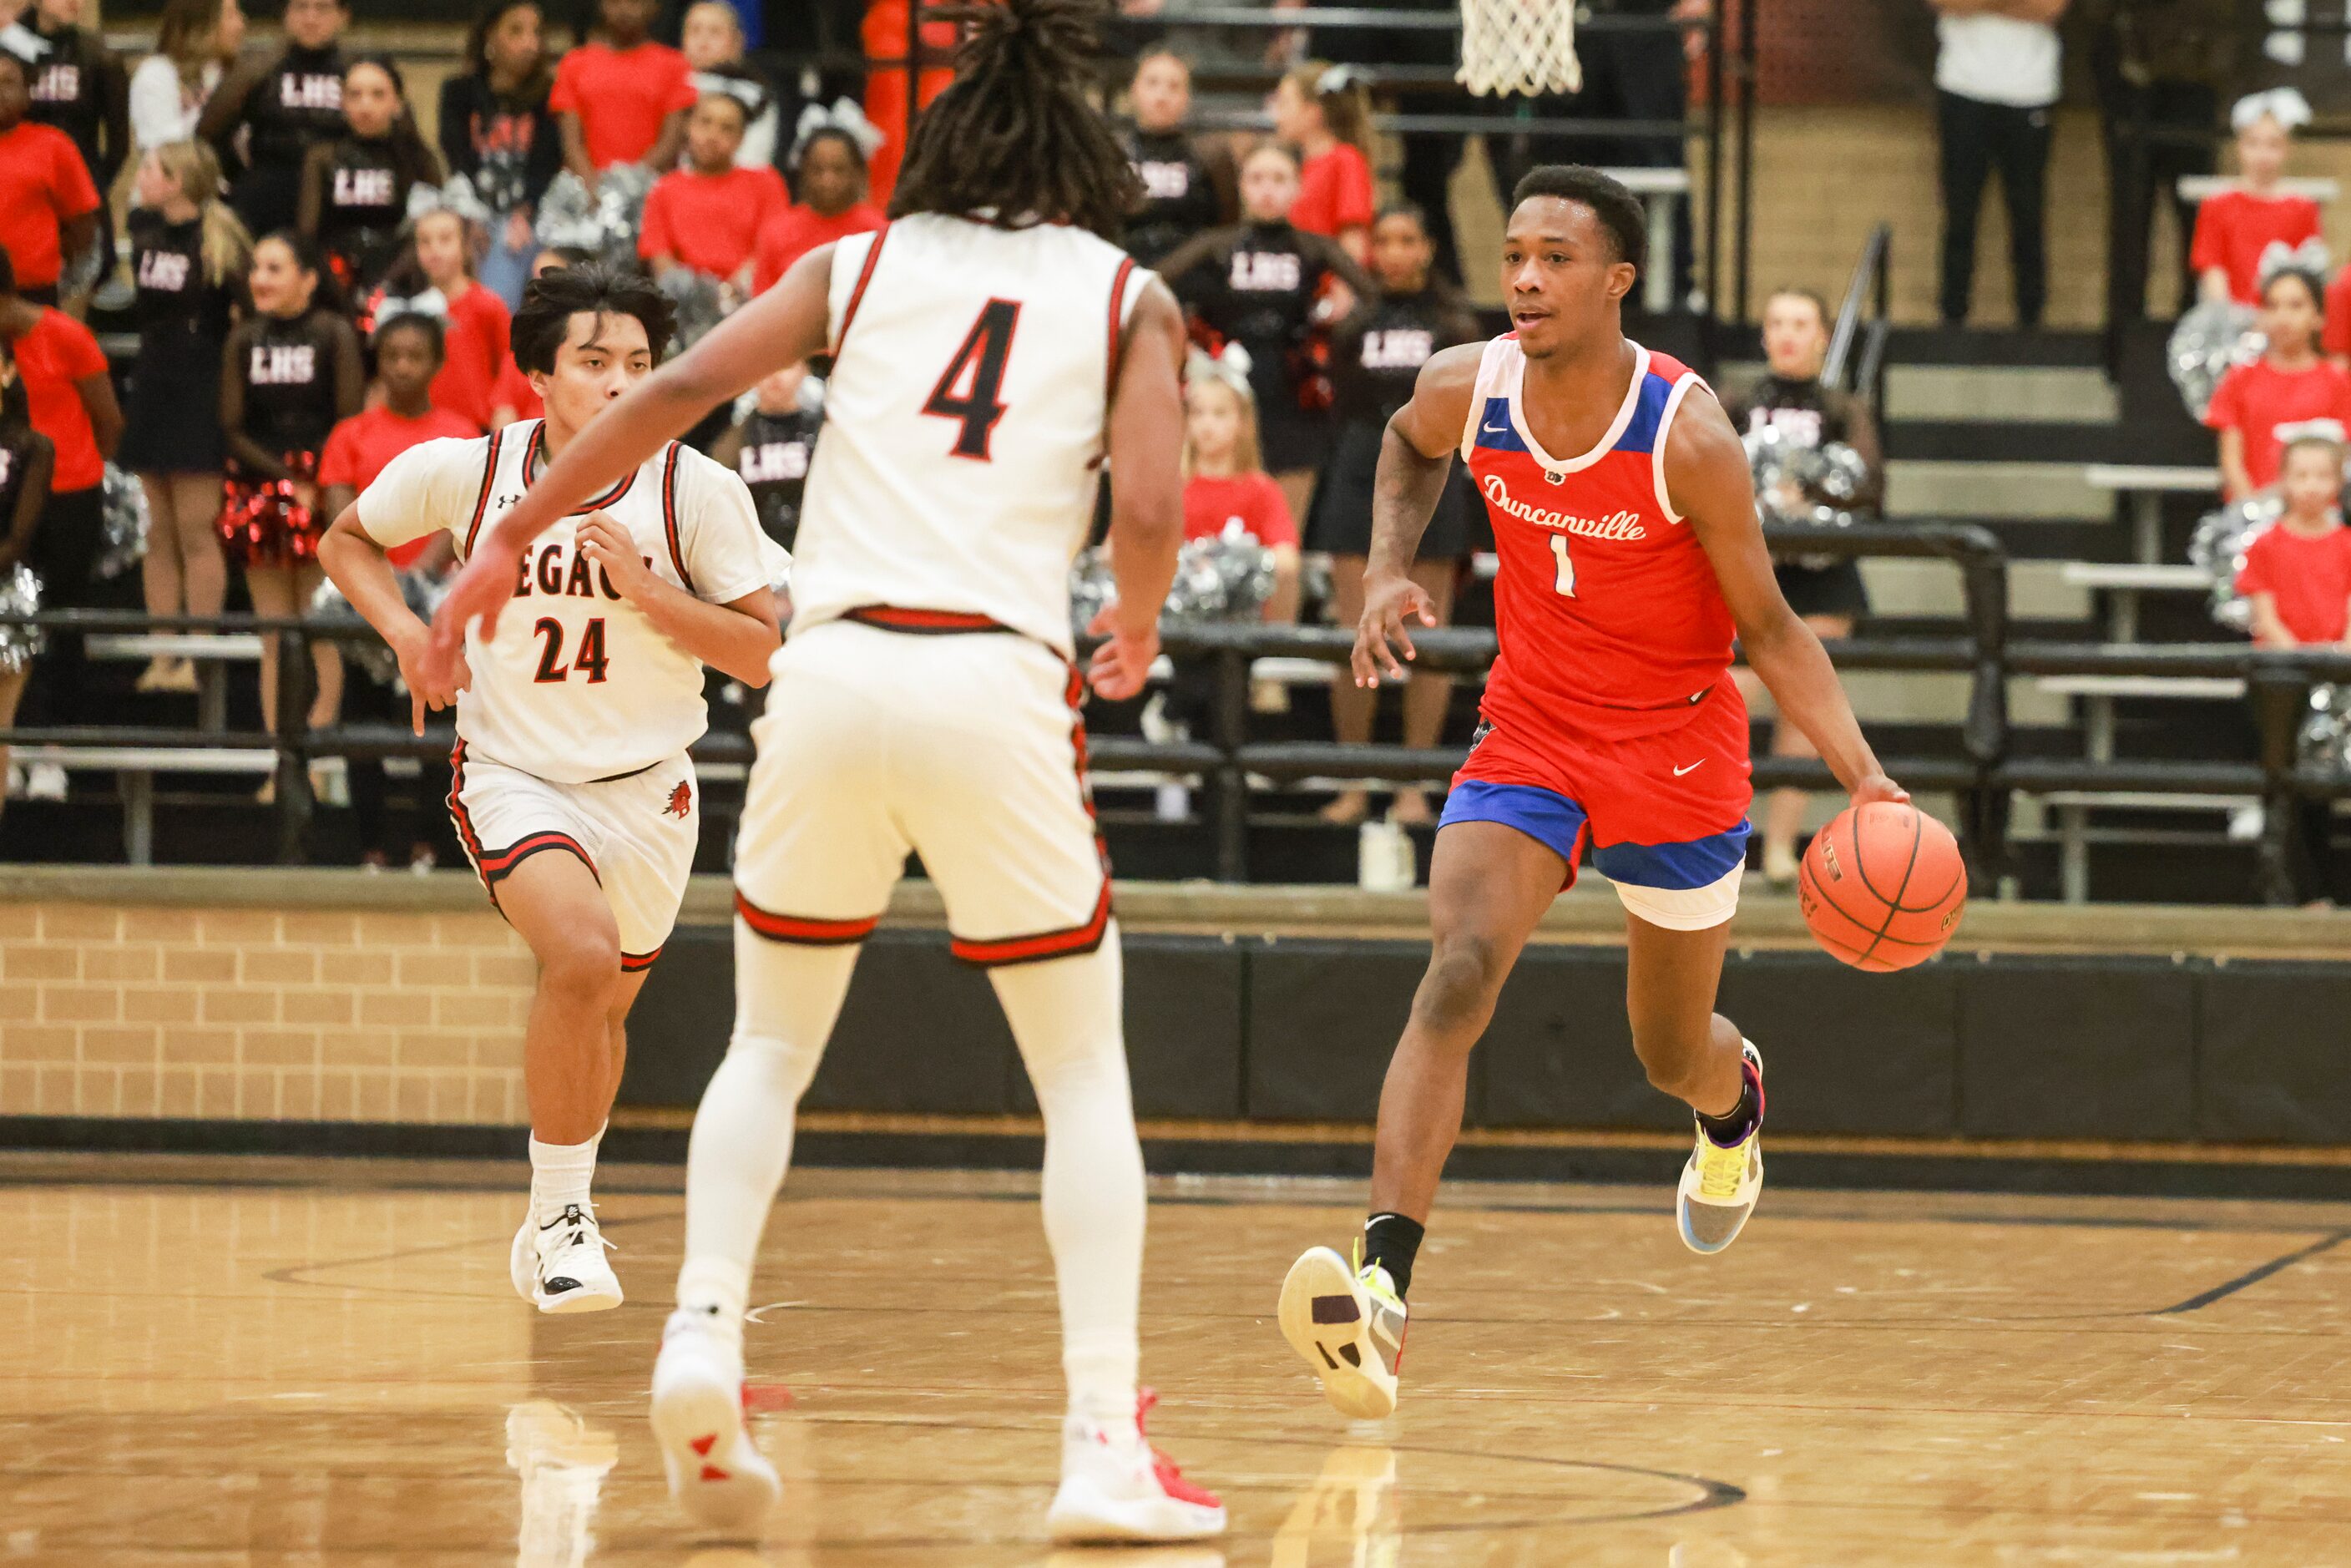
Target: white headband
<point x="1230" y="366"/>
<point x="2282" y="104"/>
<point x="2310" y="257"/>
<point x="845" y="117"/>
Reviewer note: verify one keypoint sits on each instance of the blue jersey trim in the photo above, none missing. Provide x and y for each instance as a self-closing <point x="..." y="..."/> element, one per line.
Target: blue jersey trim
<point x="1546" y="816"/>
<point x="1496" y="431"/>
<point x="1699" y="863"/>
<point x="1648" y="411"/>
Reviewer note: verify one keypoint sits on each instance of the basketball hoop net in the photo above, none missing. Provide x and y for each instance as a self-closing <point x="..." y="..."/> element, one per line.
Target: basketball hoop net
<point x="1519" y="46"/>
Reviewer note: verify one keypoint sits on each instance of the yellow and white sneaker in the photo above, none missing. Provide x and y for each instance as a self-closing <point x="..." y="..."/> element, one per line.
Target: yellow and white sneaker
<point x="1721" y="1184"/>
<point x="1348" y="1324"/>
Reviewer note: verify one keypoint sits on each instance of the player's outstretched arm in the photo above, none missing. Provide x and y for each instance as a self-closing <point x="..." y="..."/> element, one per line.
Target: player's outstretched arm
<point x="1146" y="496"/>
<point x="1415" y="454"/>
<point x="1709" y="482"/>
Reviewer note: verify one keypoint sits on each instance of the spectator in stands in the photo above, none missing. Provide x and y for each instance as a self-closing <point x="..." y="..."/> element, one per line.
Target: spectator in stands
<point x="497" y="131"/>
<point x="1996" y="81"/>
<point x="2288" y="385"/>
<point x="770" y="448"/>
<point x="1262" y="285"/>
<point x="827" y="165"/>
<point x="49" y="208"/>
<point x="1376" y="355"/>
<point x="1188" y="188"/>
<point x="355" y="188"/>
<point x="26" y="461"/>
<point x="515" y="397"/>
<point x="292" y="370"/>
<point x="189" y="255"/>
<point x="474" y="352"/>
<point x="195" y="44"/>
<point x="1324" y="111"/>
<point x="80" y="87"/>
<point x="2235" y="229"/>
<point x="707" y="216"/>
<point x="711" y="42"/>
<point x="284" y="105"/>
<point x="71" y="400"/>
<point x="408" y="361"/>
<point x="1827" y="592"/>
<point x="2159" y="66"/>
<point x="1225" y="488"/>
<point x="621" y="98"/>
<point x="2297" y="573"/>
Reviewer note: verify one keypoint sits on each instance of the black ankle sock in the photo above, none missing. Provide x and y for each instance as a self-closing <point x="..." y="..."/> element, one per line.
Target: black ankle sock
<point x="1728" y="1130"/>
<point x="1390" y="1241"/>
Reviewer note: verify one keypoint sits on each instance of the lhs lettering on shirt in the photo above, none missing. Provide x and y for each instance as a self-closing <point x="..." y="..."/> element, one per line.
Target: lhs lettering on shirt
<point x="1398" y="348"/>
<point x="166" y="270"/>
<point x="363" y="187"/>
<point x="282" y="365"/>
<point x="1614" y="525"/>
<point x="309" y="91"/>
<point x="547" y="574"/>
<point x="774" y="461"/>
<point x="1803" y="425"/>
<point x="58" y="84"/>
<point x="1165" y="182"/>
<point x="1265" y="272"/>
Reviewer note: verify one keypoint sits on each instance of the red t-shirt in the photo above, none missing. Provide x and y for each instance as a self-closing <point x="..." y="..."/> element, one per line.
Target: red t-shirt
<point x="1334" y="192"/>
<point x="2336" y="338"/>
<point x="2234" y="227"/>
<point x="621" y="97"/>
<point x="2310" y="575"/>
<point x="477" y="339"/>
<point x="1252" y="500"/>
<point x="43" y="183"/>
<point x="710" y="222"/>
<point x="796" y="231"/>
<point x="58" y="352"/>
<point x="514" y="390"/>
<point x="359" y="447"/>
<point x="2256" y="398"/>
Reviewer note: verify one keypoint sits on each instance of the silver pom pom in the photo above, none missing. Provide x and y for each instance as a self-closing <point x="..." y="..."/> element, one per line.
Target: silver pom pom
<point x="1813" y="487"/>
<point x="2218" y="547"/>
<point x="604" y="224"/>
<point x="2209" y="342"/>
<point x="124" y="524"/>
<point x="20" y="594"/>
<point x="421" y="590"/>
<point x="2326" y="741"/>
<point x="701" y="301"/>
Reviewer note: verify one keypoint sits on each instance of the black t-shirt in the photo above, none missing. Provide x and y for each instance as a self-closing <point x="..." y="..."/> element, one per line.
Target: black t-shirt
<point x="1377" y="352"/>
<point x="362" y="204"/>
<point x="1180" y="194"/>
<point x="774" y="462"/>
<point x="176" y="300"/>
<point x="79" y="88"/>
<point x="507" y="144"/>
<point x="288" y="370"/>
<point x="1256" y="285"/>
<point x="297" y="103"/>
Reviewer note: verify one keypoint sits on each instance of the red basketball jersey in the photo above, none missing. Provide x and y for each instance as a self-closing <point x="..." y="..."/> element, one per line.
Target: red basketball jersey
<point x="1611" y="621"/>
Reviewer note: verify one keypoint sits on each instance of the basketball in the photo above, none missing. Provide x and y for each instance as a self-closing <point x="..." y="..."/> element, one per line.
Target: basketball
<point x="1883" y="886"/>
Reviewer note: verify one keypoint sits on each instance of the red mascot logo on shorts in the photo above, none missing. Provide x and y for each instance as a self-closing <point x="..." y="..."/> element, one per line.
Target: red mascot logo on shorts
<point x="681" y="801"/>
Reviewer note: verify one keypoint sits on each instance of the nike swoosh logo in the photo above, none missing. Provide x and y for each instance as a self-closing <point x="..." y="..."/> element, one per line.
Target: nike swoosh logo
<point x="1691" y="769"/>
<point x="1495" y="429"/>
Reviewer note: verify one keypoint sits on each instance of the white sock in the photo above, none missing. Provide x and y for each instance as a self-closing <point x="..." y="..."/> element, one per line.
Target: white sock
<point x="786" y="999"/>
<point x="1065" y="1015"/>
<point x="560" y="1173"/>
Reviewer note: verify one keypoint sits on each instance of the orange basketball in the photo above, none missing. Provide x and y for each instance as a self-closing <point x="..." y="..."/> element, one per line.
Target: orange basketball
<point x="1883" y="886"/>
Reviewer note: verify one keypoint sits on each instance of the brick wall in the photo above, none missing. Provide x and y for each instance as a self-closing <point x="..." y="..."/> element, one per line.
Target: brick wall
<point x="219" y="1012"/>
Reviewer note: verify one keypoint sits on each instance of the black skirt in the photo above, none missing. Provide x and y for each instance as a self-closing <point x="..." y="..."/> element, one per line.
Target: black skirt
<point x="1342" y="524"/>
<point x="1290" y="438"/>
<point x="1832" y="589"/>
<point x="171" y="416"/>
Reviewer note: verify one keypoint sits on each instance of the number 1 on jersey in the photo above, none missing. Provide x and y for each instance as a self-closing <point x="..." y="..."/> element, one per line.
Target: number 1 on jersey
<point x="1566" y="581"/>
<point x="969" y="390"/>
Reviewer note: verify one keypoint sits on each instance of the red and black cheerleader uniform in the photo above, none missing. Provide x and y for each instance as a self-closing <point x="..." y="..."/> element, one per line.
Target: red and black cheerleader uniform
<point x="286" y="384"/>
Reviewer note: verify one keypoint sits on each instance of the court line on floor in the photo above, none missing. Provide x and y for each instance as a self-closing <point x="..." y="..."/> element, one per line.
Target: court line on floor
<point x="2254" y="1276"/>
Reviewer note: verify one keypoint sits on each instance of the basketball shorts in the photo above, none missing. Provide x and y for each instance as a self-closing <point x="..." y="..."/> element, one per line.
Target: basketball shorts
<point x="960" y="742"/>
<point x="636" y="833"/>
<point x="1665" y="815"/>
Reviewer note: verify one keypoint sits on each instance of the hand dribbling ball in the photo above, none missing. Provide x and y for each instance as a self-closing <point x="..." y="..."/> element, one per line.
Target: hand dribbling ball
<point x="1883" y="886"/>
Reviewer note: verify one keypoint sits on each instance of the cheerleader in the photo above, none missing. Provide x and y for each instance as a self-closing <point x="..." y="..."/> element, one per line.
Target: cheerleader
<point x="1187" y="189"/>
<point x="277" y="110"/>
<point x="2237" y="227"/>
<point x="188" y="257"/>
<point x="1830" y="597"/>
<point x="1263" y="285"/>
<point x="355" y="188"/>
<point x="1324" y="112"/>
<point x="771" y="446"/>
<point x="2290" y="384"/>
<point x="26" y="460"/>
<point x="290" y="372"/>
<point x="1376" y="354"/>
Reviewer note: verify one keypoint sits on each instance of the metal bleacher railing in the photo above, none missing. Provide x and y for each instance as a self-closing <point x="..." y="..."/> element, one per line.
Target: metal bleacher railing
<point x="1981" y="774"/>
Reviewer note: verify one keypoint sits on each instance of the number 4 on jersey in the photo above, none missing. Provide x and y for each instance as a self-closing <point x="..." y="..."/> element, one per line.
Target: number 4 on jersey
<point x="968" y="392"/>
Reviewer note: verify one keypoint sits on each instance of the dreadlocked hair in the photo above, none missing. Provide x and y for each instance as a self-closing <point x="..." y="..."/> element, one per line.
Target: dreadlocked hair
<point x="1016" y="139"/>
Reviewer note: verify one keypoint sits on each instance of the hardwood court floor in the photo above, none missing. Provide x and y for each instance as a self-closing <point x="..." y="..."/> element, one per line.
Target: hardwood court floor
<point x="277" y="1362"/>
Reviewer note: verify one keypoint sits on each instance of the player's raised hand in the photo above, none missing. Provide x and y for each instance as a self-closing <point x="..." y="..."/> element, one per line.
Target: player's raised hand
<point x="1390" y="604"/>
<point x="479" y="592"/>
<point x="610" y="546"/>
<point x="1123" y="663"/>
<point x="1876" y="787"/>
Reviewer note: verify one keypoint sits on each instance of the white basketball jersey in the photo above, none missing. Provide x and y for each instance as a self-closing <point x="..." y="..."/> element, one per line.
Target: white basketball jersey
<point x="965" y="421"/>
<point x="577" y="685"/>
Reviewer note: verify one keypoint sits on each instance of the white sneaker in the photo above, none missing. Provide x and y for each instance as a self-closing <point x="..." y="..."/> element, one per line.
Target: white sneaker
<point x="1116" y="1486"/>
<point x="559" y="1267"/>
<point x="1720" y="1185"/>
<point x="717" y="1474"/>
<point x="44" y="781"/>
<point x="1348" y="1324"/>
